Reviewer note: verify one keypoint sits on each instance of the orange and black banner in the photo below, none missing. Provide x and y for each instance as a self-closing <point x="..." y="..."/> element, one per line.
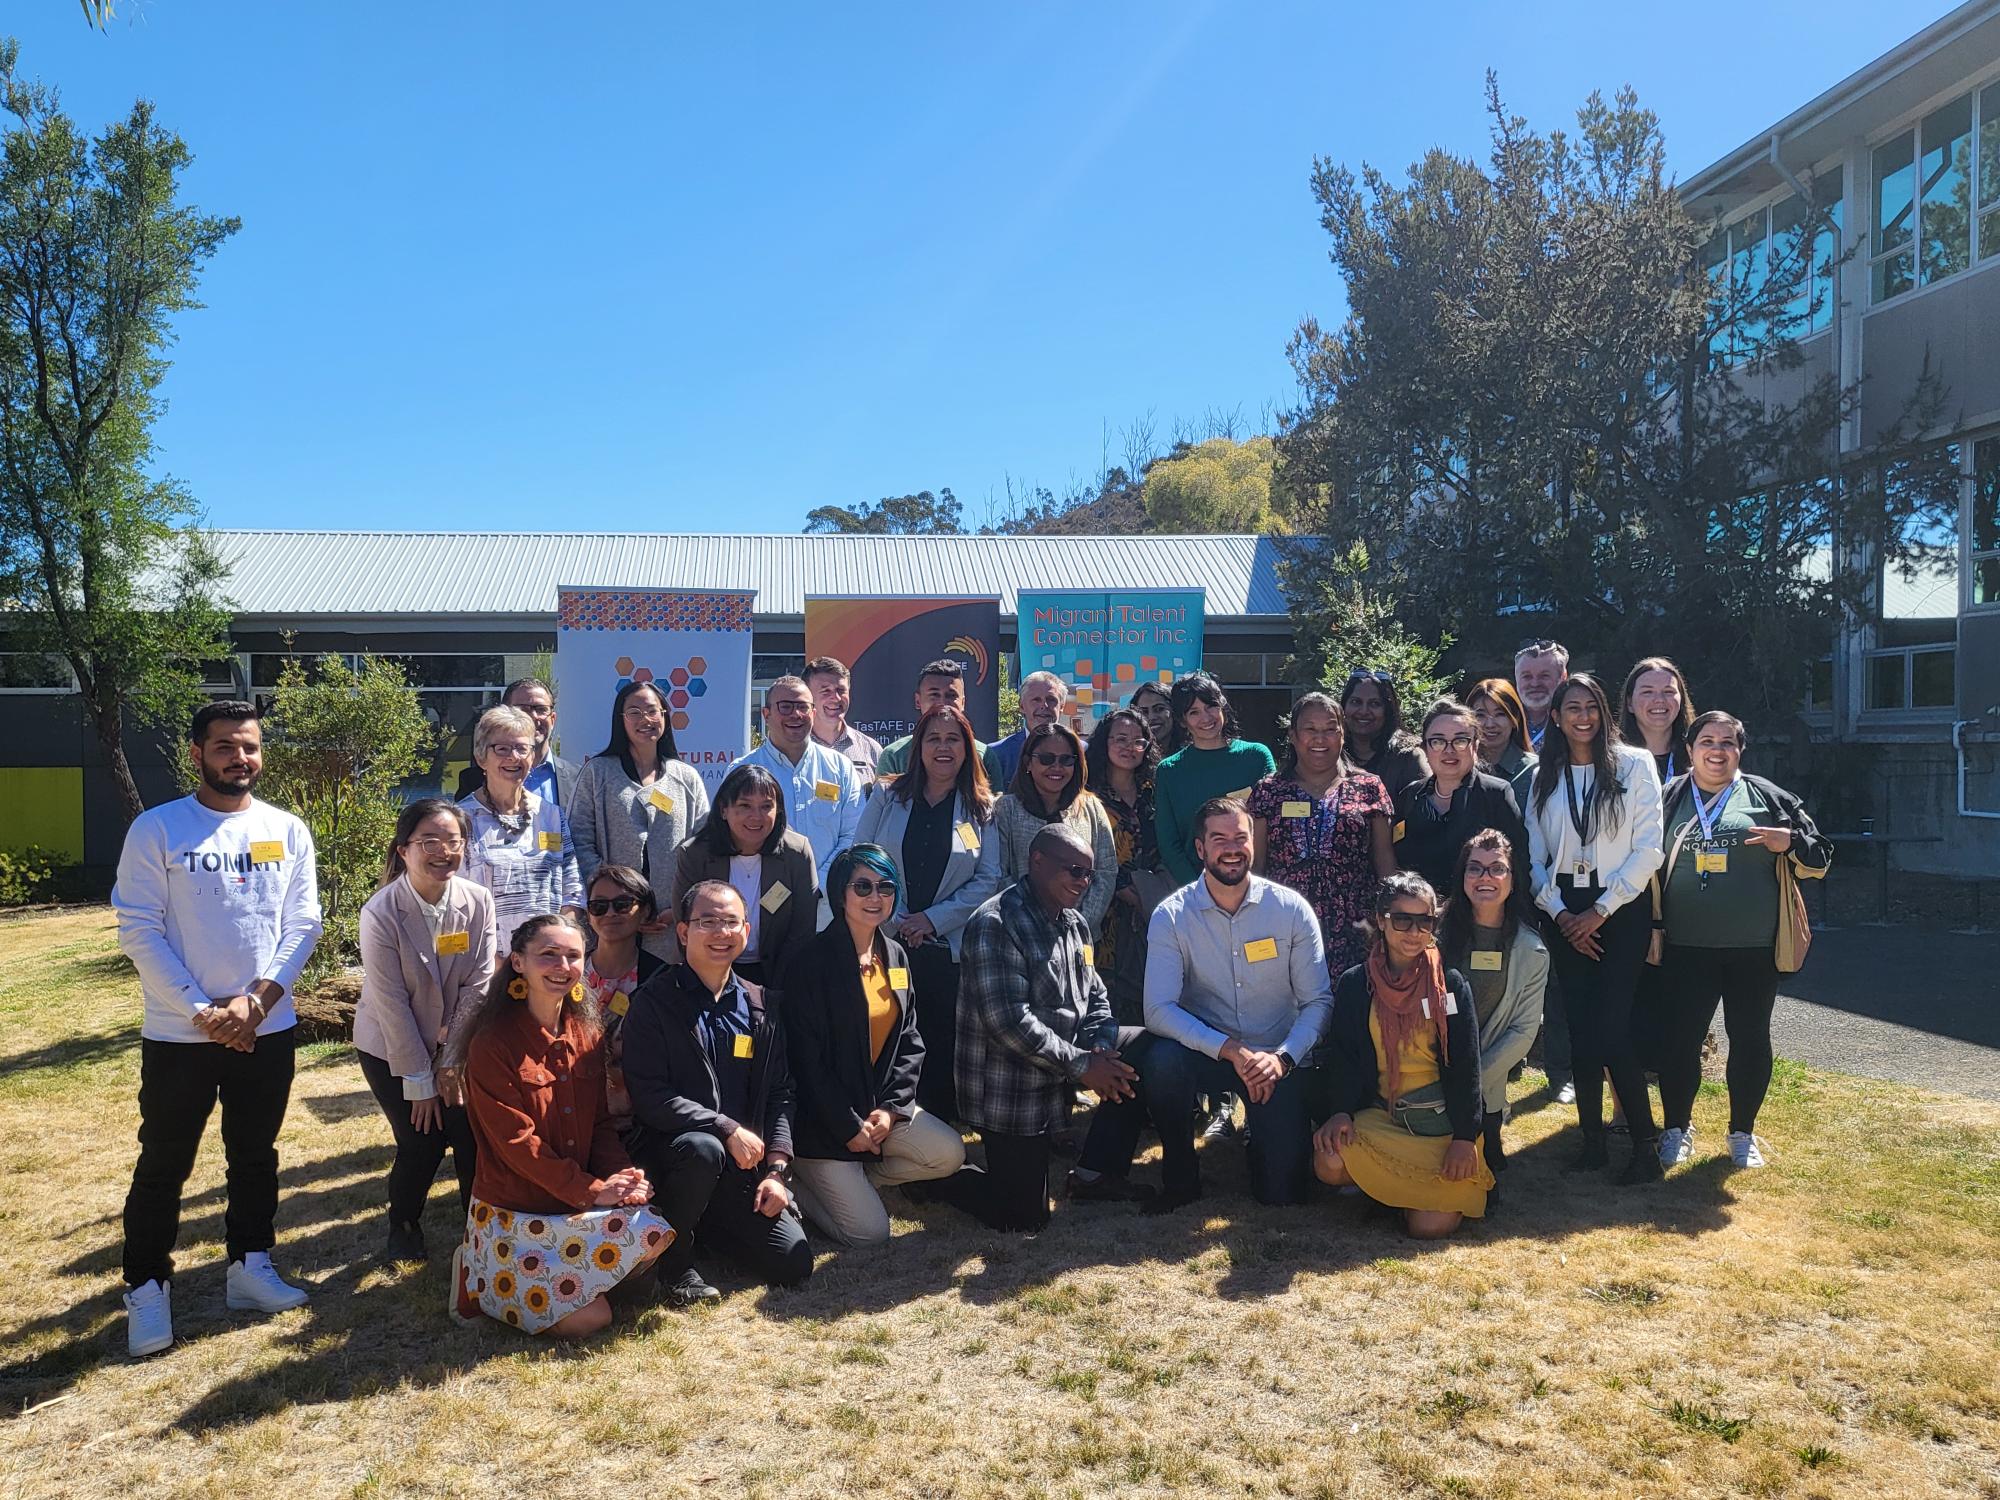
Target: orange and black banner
<point x="886" y="642"/>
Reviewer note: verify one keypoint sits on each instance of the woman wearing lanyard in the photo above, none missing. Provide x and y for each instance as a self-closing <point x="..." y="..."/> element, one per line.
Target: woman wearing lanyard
<point x="1048" y="788"/>
<point x="1376" y="739"/>
<point x="519" y="846"/>
<point x="936" y="822"/>
<point x="620" y="903"/>
<point x="1121" y="762"/>
<point x="1721" y="906"/>
<point x="1593" y="844"/>
<point x="637" y="800"/>
<point x="1654" y="713"/>
<point x="746" y="844"/>
<point x="1322" y="828"/>
<point x="1435" y="816"/>
<point x="1205" y="760"/>
<point x="1504" y="747"/>
<point x="426" y="955"/>
<point x="1489" y="936"/>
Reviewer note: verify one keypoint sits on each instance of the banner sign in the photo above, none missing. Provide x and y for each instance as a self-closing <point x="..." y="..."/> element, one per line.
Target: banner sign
<point x="885" y="642"/>
<point x="693" y="644"/>
<point x="1104" y="643"/>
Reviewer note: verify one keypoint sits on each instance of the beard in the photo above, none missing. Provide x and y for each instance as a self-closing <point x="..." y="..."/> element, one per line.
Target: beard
<point x="1230" y="877"/>
<point x="244" y="782"/>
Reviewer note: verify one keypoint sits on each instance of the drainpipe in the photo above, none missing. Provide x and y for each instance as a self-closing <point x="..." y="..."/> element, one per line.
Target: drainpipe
<point x="1958" y="744"/>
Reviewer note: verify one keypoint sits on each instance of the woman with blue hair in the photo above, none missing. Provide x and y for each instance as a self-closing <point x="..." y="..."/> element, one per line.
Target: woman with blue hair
<point x="851" y="1035"/>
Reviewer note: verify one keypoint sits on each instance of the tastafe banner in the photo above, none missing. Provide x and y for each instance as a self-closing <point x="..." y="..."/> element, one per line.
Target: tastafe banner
<point x="887" y="641"/>
<point x="1105" y="642"/>
<point x="694" y="644"/>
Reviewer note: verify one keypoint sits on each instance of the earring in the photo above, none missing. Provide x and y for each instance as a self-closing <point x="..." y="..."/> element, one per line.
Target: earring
<point x="518" y="987"/>
<point x="576" y="993"/>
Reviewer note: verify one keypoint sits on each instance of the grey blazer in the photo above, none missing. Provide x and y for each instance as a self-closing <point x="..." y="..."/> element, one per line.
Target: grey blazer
<point x="411" y="991"/>
<point x="970" y="875"/>
<point x="615" y="821"/>
<point x="796" y="918"/>
<point x="1505" y="1035"/>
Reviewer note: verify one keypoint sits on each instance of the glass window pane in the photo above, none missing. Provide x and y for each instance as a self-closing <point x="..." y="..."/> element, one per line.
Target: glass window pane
<point x="1986" y="581"/>
<point x="1885" y="680"/>
<point x="1989" y="145"/>
<point x="1933" y="679"/>
<point x="1989" y="234"/>
<point x="31" y="669"/>
<point x="1895" y="179"/>
<point x="1234" y="670"/>
<point x="1894" y="276"/>
<point x="1749" y="268"/>
<point x="1986" y="496"/>
<point x="1819" y="689"/>
<point x="1947" y="190"/>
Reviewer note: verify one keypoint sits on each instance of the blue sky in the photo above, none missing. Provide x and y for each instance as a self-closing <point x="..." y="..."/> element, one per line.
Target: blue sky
<point x="518" y="267"/>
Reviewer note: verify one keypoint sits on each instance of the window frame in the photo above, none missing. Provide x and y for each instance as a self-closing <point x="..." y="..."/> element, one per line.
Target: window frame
<point x="1723" y="262"/>
<point x="1982" y="99"/>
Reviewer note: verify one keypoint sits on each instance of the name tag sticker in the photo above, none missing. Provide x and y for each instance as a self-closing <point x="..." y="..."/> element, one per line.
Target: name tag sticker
<point x="1711" y="861"/>
<point x="1396" y="833"/>
<point x="1486" y="960"/>
<point x="1450" y="1003"/>
<point x="660" y="800"/>
<point x="827" y="791"/>
<point x="454" y="942"/>
<point x="1295" y="810"/>
<point x="776" y="896"/>
<point x="742" y="1046"/>
<point x="267" y="852"/>
<point x="549" y="843"/>
<point x="620" y="1003"/>
<point x="1425" y="1002"/>
<point x="899" y="979"/>
<point x="1260" y="950"/>
<point x="1090" y="955"/>
<point x="968" y="838"/>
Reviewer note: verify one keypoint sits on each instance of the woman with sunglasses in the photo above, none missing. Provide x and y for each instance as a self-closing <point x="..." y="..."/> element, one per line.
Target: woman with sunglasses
<point x="1376" y="740"/>
<point x="936" y="822"/>
<point x="1593" y="845"/>
<point x="636" y="802"/>
<point x="1435" y="816"/>
<point x="620" y="905"/>
<point x="1402" y="1055"/>
<point x="746" y="844"/>
<point x="1504" y="747"/>
<point x="426" y="955"/>
<point x="1120" y="764"/>
<point x="1205" y="759"/>
<point x="856" y="1057"/>
<point x="1048" y="788"/>
<point x="1655" y="710"/>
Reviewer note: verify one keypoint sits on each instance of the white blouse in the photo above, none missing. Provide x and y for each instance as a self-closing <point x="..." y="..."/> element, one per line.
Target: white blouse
<point x="1621" y="859"/>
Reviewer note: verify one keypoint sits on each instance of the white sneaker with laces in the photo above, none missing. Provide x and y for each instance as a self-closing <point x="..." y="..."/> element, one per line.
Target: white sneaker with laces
<point x="1745" y="1150"/>
<point x="254" y="1284"/>
<point x="149" y="1319"/>
<point x="1676" y="1146"/>
<point x="1566" y="1094"/>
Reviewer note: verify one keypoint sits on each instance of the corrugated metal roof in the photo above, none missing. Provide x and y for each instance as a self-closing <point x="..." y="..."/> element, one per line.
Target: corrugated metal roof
<point x="290" y="574"/>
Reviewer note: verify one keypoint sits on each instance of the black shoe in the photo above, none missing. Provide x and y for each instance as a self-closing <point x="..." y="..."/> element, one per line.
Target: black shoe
<point x="1221" y="1120"/>
<point x="1167" y="1202"/>
<point x="1105" y="1188"/>
<point x="406" y="1242"/>
<point x="1493" y="1198"/>
<point x="688" y="1288"/>
<point x="1592" y="1157"/>
<point x="1644" y="1166"/>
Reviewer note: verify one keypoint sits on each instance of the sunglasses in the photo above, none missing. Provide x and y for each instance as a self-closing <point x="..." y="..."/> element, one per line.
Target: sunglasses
<point x="1534" y="645"/>
<point x="1369" y="674"/>
<point x="863" y="887"/>
<point x="1410" y="921"/>
<point x="1077" y="872"/>
<point x="603" y="904"/>
<point x="1065" y="762"/>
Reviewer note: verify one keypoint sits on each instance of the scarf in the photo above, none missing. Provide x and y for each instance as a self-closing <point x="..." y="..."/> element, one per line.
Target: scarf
<point x="1400" y="1005"/>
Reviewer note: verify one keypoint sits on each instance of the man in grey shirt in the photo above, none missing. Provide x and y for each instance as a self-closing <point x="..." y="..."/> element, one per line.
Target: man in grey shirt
<point x="1236" y="996"/>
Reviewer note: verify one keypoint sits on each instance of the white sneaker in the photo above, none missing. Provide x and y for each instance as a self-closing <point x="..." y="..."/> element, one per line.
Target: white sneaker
<point x="1566" y="1094"/>
<point x="254" y="1284"/>
<point x="1745" y="1149"/>
<point x="1676" y="1146"/>
<point x="149" y="1319"/>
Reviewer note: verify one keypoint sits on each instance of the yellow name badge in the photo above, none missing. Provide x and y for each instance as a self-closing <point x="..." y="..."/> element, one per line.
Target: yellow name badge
<point x="549" y="843"/>
<point x="1295" y="810"/>
<point x="1090" y="955"/>
<point x="454" y="942"/>
<point x="743" y="1046"/>
<point x="776" y="896"/>
<point x="267" y="852"/>
<point x="1396" y="833"/>
<point x="827" y="791"/>
<point x="1260" y="950"/>
<point x="968" y="838"/>
<point x="620" y="1003"/>
<point x="660" y="800"/>
<point x="899" y="979"/>
<point x="1486" y="960"/>
<point x="1711" y="863"/>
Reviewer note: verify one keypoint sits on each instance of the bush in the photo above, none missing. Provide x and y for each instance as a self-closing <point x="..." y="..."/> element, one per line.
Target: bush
<point x="1342" y="625"/>
<point x="28" y="875"/>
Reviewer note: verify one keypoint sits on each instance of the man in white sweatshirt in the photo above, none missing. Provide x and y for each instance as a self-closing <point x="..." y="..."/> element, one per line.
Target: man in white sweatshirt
<point x="218" y="909"/>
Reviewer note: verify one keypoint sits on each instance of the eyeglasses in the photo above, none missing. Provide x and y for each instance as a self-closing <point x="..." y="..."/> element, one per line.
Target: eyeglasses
<point x="1534" y="646"/>
<point x="717" y="924"/>
<point x="604" y="904"/>
<point x="1458" y="742"/>
<point x="791" y="710"/>
<point x="1410" y="921"/>
<point x="1064" y="762"/>
<point x="863" y="887"/>
<point x="436" y="847"/>
<point x="1486" y="872"/>
<point x="1077" y="872"/>
<point x="642" y="715"/>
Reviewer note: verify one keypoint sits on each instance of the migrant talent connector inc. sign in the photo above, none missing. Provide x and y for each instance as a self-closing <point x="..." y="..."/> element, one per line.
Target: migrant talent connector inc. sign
<point x="1105" y="643"/>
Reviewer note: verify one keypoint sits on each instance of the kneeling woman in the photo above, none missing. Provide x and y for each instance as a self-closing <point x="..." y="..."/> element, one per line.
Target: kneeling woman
<point x="1402" y="1049"/>
<point x="556" y="1219"/>
<point x="851" y="1035"/>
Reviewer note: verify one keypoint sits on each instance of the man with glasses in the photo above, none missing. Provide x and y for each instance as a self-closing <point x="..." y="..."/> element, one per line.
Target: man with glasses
<point x="822" y="794"/>
<point x="827" y="679"/>
<point x="1236" y="998"/>
<point x="1042" y="697"/>
<point x="1540" y="667"/>
<point x="551" y="778"/>
<point x="941" y="681"/>
<point x="712" y="1102"/>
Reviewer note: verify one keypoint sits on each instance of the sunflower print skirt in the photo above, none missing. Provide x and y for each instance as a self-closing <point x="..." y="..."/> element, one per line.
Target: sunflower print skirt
<point x="530" y="1271"/>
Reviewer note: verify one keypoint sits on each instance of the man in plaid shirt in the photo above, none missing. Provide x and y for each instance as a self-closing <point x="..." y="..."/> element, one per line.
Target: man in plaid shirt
<point x="1034" y="1024"/>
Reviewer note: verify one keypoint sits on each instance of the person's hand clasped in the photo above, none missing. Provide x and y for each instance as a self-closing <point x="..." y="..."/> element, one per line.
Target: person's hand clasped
<point x="231" y="1022"/>
<point x="917" y="928"/>
<point x="1260" y="1071"/>
<point x="627" y="1188"/>
<point x="1109" y="1078"/>
<point x="772" y="1198"/>
<point x="745" y="1147"/>
<point x="1461" y="1160"/>
<point x="1580" y="927"/>
<point x="1334" y="1136"/>
<point x="1777" y="840"/>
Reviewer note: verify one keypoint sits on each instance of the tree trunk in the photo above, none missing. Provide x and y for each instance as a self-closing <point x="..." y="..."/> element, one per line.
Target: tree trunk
<point x="110" y="726"/>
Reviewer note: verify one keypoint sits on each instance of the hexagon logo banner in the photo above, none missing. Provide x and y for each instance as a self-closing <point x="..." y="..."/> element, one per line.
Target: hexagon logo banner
<point x="692" y="645"/>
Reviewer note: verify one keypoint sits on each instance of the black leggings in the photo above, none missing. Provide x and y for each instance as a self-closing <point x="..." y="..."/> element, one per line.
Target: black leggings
<point x="1597" y="998"/>
<point x="419" y="1153"/>
<point x="1745" y="980"/>
<point x="936" y="1001"/>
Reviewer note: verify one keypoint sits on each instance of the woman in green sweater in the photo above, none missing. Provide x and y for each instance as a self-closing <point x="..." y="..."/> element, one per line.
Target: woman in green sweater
<point x="1207" y="760"/>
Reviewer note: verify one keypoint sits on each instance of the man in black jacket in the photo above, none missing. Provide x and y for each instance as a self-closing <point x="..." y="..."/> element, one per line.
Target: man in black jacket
<point x="712" y="1105"/>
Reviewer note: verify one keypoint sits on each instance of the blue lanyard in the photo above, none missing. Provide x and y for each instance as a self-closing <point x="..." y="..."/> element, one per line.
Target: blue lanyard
<point x="1710" y="815"/>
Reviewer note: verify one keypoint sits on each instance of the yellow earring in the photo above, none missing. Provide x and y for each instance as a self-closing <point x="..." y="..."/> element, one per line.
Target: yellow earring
<point x="518" y="987"/>
<point x="576" y="993"/>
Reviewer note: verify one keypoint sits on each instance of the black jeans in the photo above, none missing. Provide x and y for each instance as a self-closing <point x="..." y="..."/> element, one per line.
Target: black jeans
<point x="419" y="1153"/>
<point x="1745" y="980"/>
<point x="1555" y="1034"/>
<point x="1170" y="1076"/>
<point x="706" y="1198"/>
<point x="179" y="1083"/>
<point x="1597" y="997"/>
<point x="1012" y="1194"/>
<point x="1496" y="1159"/>
<point x="934" y="979"/>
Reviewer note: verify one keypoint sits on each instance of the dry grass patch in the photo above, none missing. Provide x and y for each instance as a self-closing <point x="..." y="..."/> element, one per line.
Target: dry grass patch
<point x="1823" y="1328"/>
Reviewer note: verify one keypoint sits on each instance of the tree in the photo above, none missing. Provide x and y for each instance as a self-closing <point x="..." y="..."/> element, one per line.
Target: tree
<point x="921" y="514"/>
<point x="97" y="254"/>
<point x="1218" y="486"/>
<point x="1540" y="403"/>
<point x="1341" y="626"/>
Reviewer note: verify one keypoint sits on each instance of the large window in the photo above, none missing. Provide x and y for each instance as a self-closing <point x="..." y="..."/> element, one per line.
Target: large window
<point x="1914" y="666"/>
<point x="34" y="672"/>
<point x="1786" y="242"/>
<point x="1937" y="203"/>
<point x="1983" y="549"/>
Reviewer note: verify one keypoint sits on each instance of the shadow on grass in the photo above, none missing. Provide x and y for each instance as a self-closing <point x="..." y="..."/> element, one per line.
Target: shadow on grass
<point x="71" y="1052"/>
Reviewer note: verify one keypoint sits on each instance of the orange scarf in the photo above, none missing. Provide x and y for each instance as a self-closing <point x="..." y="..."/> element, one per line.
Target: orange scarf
<point x="1401" y="1006"/>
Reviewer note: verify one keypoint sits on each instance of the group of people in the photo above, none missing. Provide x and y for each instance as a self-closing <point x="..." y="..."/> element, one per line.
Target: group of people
<point x="651" y="1029"/>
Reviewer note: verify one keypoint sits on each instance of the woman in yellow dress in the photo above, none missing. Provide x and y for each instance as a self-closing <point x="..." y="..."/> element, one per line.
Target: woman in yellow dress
<point x="1402" y="1050"/>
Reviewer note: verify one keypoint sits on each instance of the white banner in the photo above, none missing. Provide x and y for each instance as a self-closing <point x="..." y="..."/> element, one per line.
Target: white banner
<point x="694" y="644"/>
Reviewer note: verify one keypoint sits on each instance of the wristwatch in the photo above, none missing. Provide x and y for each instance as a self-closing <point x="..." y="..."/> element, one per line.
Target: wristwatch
<point x="781" y="1171"/>
<point x="1285" y="1063"/>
